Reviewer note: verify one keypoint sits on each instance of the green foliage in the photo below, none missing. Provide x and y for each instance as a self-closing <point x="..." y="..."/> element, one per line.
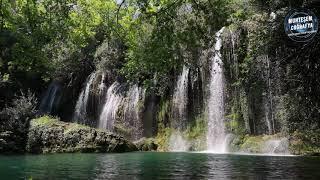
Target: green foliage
<point x="162" y="139"/>
<point x="198" y="129"/>
<point x="277" y="4"/>
<point x="57" y="38"/>
<point x="163" y="114"/>
<point x="16" y="117"/>
<point x="49" y="121"/>
<point x="147" y="42"/>
<point x="196" y="133"/>
<point x="252" y="144"/>
<point x="167" y="35"/>
<point x="121" y="129"/>
<point x="235" y="125"/>
<point x="146" y="144"/>
<point x="54" y="121"/>
<point x="44" y="121"/>
<point x="305" y="143"/>
<point x="164" y="131"/>
<point x="241" y="11"/>
<point x="42" y="39"/>
<point x="14" y="122"/>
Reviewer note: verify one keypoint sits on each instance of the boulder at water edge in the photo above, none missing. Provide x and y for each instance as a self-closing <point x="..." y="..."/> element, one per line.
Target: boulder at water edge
<point x="47" y="135"/>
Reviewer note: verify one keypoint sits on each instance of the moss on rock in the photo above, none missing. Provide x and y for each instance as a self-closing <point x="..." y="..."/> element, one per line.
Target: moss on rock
<point x="305" y="143"/>
<point x="146" y="144"/>
<point x="162" y="139"/>
<point x="273" y="144"/>
<point x="49" y="135"/>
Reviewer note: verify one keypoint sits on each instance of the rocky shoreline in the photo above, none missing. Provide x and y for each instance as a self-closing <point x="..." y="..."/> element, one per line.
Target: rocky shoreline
<point x="49" y="135"/>
<point x="52" y="136"/>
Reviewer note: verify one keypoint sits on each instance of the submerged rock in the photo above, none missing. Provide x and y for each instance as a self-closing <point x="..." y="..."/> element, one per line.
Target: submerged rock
<point x="48" y="135"/>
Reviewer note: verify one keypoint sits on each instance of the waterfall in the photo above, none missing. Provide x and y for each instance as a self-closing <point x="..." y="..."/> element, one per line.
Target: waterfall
<point x="216" y="129"/>
<point x="270" y="128"/>
<point x="101" y="93"/>
<point x="267" y="95"/>
<point x="179" y="112"/>
<point x="267" y="119"/>
<point x="50" y="99"/>
<point x="122" y="110"/>
<point x="80" y="113"/>
<point x="110" y="108"/>
<point x="276" y="146"/>
<point x="177" y="143"/>
<point x="131" y="110"/>
<point x="180" y="100"/>
<point x="102" y="85"/>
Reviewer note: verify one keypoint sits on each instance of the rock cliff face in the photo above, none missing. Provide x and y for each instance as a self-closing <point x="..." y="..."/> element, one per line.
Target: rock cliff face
<point x="52" y="136"/>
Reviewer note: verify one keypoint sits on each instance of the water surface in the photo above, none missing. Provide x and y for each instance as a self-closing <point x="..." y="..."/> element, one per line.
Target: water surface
<point x="155" y="165"/>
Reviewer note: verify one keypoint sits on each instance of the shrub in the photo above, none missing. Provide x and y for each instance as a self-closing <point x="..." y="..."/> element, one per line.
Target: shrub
<point x="14" y="122"/>
<point x="23" y="109"/>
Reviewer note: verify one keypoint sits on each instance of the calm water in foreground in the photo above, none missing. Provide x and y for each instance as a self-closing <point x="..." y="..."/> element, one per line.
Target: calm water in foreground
<point x="148" y="165"/>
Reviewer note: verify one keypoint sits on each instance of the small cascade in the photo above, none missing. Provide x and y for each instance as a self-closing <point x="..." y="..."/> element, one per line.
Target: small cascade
<point x="179" y="112"/>
<point x="276" y="146"/>
<point x="177" y="143"/>
<point x="180" y="100"/>
<point x="121" y="110"/>
<point x="102" y="87"/>
<point x="216" y="134"/>
<point x="268" y="97"/>
<point x="109" y="112"/>
<point x="80" y="113"/>
<point x="267" y="118"/>
<point x="271" y="128"/>
<point x="135" y="97"/>
<point x="50" y="99"/>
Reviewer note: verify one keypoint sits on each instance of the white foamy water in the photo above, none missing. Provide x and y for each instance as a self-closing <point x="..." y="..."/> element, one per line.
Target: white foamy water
<point x="180" y="100"/>
<point x="50" y="99"/>
<point x="80" y="112"/>
<point x="216" y="135"/>
<point x="110" y="108"/>
<point x="276" y="146"/>
<point x="177" y="143"/>
<point x="134" y="99"/>
<point x="179" y="112"/>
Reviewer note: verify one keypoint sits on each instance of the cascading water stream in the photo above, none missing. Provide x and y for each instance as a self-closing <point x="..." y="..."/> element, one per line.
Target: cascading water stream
<point x="110" y="108"/>
<point x="80" y="113"/>
<point x="216" y="134"/>
<point x="271" y="128"/>
<point x="50" y="98"/>
<point x="180" y="100"/>
<point x="102" y="86"/>
<point x="123" y="107"/>
<point x="276" y="146"/>
<point x="131" y="110"/>
<point x="179" y="106"/>
<point x="177" y="143"/>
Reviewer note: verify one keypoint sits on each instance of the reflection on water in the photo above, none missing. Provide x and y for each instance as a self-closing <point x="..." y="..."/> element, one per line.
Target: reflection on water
<point x="158" y="166"/>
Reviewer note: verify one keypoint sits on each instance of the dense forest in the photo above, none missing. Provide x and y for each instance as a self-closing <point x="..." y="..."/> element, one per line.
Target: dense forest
<point x="145" y="50"/>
